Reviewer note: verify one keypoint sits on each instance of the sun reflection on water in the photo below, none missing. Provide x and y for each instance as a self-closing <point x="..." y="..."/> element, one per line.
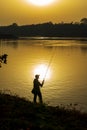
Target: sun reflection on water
<point x="43" y="71"/>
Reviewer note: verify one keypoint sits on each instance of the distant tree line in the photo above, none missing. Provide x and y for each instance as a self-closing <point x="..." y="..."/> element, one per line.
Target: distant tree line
<point x="77" y="29"/>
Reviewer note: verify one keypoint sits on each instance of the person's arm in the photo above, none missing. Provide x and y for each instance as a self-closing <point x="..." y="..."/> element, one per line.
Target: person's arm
<point x="42" y="83"/>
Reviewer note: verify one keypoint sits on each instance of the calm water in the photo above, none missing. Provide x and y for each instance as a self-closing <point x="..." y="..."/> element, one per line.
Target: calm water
<point x="64" y="60"/>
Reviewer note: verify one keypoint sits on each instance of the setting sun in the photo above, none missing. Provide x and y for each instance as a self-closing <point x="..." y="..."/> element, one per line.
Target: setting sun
<point x="41" y="2"/>
<point x="43" y="71"/>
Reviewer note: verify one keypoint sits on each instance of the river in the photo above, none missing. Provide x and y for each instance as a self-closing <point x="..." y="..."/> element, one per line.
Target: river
<point x="63" y="63"/>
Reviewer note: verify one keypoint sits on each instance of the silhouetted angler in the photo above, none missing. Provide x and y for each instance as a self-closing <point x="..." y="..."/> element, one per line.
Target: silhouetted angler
<point x="36" y="89"/>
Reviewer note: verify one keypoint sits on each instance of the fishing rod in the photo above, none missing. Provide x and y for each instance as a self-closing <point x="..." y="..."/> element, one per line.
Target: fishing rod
<point x="50" y="61"/>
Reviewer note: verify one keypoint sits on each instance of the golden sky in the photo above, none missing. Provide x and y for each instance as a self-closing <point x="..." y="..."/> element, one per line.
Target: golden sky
<point x="22" y="12"/>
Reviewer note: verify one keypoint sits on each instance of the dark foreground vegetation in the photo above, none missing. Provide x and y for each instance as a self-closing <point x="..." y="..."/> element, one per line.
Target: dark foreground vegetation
<point x="77" y="29"/>
<point x="19" y="114"/>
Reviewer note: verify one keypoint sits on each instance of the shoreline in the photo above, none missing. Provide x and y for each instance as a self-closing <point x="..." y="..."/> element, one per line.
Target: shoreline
<point x="44" y="38"/>
<point x="19" y="114"/>
<point x="54" y="38"/>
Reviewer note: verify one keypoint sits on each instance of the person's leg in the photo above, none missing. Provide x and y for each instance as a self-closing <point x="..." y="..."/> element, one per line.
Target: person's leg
<point x="35" y="97"/>
<point x="40" y="97"/>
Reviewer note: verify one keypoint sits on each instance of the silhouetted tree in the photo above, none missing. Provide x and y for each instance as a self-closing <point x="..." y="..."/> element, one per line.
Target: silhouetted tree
<point x="14" y="25"/>
<point x="46" y="29"/>
<point x="83" y="20"/>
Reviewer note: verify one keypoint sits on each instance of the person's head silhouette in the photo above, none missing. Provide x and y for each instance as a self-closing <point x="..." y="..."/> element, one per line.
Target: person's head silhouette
<point x="37" y="76"/>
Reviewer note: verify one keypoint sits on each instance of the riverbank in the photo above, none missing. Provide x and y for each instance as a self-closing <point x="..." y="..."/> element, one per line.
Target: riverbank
<point x="11" y="37"/>
<point x="54" y="38"/>
<point x="19" y="114"/>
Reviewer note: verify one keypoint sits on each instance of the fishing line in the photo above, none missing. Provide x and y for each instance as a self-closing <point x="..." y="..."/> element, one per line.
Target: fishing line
<point x="50" y="61"/>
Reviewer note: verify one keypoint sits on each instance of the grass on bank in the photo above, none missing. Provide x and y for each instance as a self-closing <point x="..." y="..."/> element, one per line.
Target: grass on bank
<point x="19" y="114"/>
